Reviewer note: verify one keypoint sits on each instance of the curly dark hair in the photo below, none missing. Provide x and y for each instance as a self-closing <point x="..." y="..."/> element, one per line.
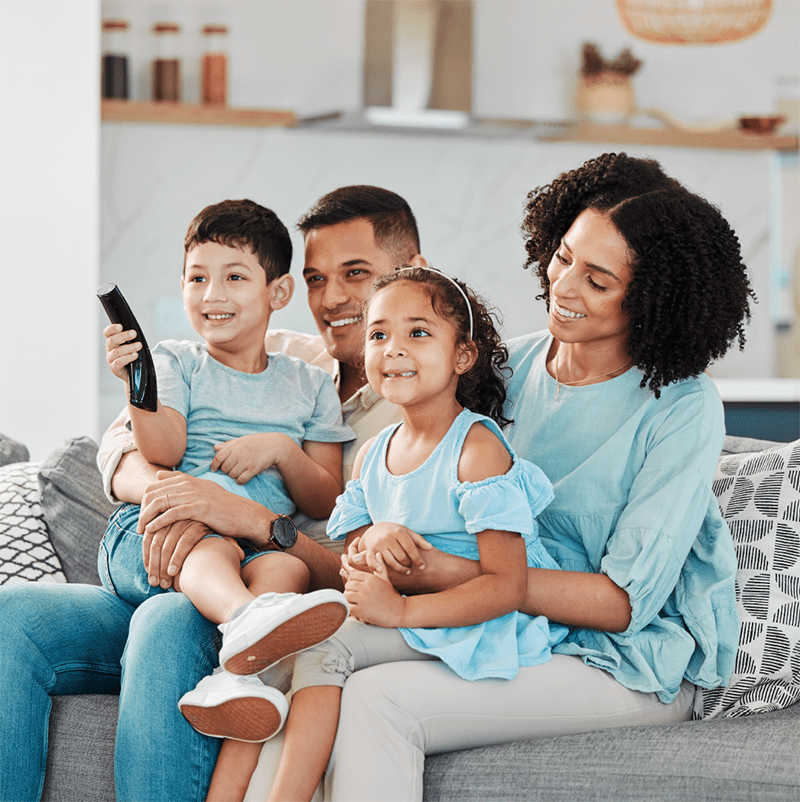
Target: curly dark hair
<point x="482" y="388"/>
<point x="244" y="224"/>
<point x="689" y="295"/>
<point x="393" y="222"/>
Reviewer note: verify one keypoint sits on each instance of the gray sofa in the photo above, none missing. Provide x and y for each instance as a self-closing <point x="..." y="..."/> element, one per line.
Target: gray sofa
<point x="752" y="757"/>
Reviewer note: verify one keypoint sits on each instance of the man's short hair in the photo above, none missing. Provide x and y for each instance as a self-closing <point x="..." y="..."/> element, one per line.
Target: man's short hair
<point x="392" y="220"/>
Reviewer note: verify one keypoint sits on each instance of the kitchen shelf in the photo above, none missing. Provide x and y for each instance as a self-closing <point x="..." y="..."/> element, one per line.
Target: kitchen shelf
<point x="192" y="114"/>
<point x="128" y="111"/>
<point x="727" y="139"/>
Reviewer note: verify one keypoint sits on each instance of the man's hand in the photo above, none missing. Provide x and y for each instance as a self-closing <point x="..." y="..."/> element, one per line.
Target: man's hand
<point x="372" y="598"/>
<point x="179" y="497"/>
<point x="399" y="546"/>
<point x="164" y="550"/>
<point x="244" y="457"/>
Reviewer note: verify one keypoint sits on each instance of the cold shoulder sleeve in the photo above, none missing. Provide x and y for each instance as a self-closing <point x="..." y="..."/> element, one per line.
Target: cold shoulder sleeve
<point x="350" y="511"/>
<point x="507" y="503"/>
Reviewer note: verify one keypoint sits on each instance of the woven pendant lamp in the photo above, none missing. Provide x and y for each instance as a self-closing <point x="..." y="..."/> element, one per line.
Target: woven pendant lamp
<point x="693" y="22"/>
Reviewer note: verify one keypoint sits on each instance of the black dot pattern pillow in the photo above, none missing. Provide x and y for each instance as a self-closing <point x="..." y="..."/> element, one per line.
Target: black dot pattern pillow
<point x="26" y="554"/>
<point x="759" y="495"/>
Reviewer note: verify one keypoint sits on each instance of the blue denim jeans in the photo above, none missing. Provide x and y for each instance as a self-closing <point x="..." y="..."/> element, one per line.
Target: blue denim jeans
<point x="81" y="639"/>
<point x="120" y="563"/>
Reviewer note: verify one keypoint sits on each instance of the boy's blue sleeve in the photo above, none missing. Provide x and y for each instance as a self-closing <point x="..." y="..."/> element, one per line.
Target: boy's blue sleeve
<point x="326" y="425"/>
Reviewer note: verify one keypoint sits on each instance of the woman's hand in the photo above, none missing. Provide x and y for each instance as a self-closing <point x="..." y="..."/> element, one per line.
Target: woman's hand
<point x="120" y="352"/>
<point x="372" y="598"/>
<point x="399" y="546"/>
<point x="244" y="457"/>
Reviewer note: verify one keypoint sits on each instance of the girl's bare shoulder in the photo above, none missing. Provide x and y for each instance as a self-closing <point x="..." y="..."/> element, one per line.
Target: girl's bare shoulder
<point x="483" y="455"/>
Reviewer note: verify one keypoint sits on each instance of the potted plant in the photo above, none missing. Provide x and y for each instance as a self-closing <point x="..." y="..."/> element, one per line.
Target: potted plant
<point x="605" y="91"/>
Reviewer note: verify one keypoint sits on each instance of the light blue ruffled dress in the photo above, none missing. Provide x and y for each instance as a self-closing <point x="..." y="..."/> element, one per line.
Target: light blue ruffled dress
<point x="448" y="513"/>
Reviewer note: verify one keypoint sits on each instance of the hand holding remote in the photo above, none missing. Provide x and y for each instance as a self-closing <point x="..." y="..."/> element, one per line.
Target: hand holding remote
<point x="143" y="392"/>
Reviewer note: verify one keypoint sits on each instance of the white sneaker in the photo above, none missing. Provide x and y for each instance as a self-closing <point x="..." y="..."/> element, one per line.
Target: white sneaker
<point x="242" y="708"/>
<point x="276" y="625"/>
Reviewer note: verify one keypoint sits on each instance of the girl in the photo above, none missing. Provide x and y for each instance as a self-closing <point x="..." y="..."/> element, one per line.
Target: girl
<point x="445" y="472"/>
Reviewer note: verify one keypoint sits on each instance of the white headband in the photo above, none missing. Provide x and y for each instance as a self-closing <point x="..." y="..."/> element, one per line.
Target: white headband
<point x="452" y="281"/>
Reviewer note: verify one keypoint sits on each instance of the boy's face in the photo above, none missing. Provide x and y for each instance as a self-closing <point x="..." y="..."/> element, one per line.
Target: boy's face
<point x="341" y="263"/>
<point x="226" y="297"/>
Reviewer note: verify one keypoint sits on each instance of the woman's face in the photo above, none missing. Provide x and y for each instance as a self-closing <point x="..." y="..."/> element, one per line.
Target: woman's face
<point x="589" y="276"/>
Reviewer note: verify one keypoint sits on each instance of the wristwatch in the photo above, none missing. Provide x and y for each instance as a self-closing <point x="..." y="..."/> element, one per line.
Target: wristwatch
<point x="283" y="532"/>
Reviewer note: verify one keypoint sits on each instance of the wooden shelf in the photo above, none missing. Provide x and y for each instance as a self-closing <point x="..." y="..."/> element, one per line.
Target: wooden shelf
<point x="728" y="139"/>
<point x="620" y="135"/>
<point x="129" y="111"/>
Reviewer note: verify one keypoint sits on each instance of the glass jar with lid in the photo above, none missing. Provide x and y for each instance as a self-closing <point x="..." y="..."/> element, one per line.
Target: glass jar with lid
<point x="167" y="63"/>
<point x="114" y="69"/>
<point x="214" y="67"/>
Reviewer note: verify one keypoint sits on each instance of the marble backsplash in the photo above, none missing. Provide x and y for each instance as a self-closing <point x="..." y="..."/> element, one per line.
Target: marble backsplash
<point x="468" y="194"/>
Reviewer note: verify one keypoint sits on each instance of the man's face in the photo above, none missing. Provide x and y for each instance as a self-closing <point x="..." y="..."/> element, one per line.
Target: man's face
<point x="341" y="263"/>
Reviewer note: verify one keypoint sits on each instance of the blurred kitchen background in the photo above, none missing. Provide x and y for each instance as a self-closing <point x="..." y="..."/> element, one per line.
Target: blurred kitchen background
<point x="460" y="106"/>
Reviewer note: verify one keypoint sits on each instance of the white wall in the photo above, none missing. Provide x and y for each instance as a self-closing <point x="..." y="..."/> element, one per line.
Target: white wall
<point x="49" y="229"/>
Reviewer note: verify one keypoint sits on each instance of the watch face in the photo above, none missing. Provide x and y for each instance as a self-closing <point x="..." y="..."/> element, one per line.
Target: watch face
<point x="284" y="532"/>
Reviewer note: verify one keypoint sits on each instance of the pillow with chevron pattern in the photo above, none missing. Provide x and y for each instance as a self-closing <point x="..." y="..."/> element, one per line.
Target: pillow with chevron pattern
<point x="26" y="554"/>
<point x="759" y="495"/>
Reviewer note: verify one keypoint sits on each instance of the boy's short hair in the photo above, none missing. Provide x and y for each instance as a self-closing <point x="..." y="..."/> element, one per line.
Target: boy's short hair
<point x="392" y="220"/>
<point x="244" y="224"/>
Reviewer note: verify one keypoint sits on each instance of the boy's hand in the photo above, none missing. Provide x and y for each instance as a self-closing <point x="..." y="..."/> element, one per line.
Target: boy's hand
<point x="397" y="545"/>
<point x="118" y="354"/>
<point x="372" y="598"/>
<point x="247" y="456"/>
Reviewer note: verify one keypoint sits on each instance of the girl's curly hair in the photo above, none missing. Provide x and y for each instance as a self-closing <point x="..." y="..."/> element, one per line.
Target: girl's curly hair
<point x="482" y="388"/>
<point x="689" y="295"/>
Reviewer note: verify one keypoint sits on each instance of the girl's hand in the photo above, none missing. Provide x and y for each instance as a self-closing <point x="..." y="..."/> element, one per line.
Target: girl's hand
<point x="245" y="457"/>
<point x="118" y="354"/>
<point x="398" y="545"/>
<point x="372" y="598"/>
<point x="352" y="560"/>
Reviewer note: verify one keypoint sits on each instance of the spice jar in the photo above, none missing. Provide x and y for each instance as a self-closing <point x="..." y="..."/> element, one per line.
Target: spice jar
<point x="214" y="67"/>
<point x="115" y="59"/>
<point x="167" y="65"/>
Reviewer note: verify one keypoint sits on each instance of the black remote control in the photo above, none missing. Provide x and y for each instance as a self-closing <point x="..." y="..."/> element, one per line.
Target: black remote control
<point x="141" y="373"/>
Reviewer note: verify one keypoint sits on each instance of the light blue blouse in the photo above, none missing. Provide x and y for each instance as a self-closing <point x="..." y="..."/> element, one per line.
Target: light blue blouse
<point x="632" y="481"/>
<point x="449" y="513"/>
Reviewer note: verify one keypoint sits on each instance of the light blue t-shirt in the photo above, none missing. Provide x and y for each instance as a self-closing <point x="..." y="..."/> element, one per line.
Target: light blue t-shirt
<point x="632" y="478"/>
<point x="219" y="403"/>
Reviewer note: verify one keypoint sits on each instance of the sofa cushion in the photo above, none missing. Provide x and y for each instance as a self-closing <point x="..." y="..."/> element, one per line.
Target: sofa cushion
<point x="26" y="554"/>
<point x="11" y="451"/>
<point x="75" y="508"/>
<point x="759" y="495"/>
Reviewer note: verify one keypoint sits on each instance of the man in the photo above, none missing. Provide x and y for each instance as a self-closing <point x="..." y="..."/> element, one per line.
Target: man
<point x="352" y="235"/>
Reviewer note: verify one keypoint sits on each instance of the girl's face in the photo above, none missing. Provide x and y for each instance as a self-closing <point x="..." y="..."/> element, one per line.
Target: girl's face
<point x="589" y="276"/>
<point x="411" y="355"/>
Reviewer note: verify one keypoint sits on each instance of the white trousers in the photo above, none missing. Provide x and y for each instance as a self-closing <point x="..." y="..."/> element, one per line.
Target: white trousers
<point x="394" y="714"/>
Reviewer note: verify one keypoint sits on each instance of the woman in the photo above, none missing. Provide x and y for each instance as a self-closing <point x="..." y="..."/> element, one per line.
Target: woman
<point x="645" y="287"/>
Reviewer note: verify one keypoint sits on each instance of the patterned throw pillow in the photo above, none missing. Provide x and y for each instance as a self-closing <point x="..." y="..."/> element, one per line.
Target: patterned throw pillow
<point x="759" y="495"/>
<point x="26" y="554"/>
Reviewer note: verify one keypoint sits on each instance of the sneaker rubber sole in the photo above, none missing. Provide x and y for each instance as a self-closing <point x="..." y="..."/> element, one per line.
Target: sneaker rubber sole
<point x="303" y="631"/>
<point x="249" y="719"/>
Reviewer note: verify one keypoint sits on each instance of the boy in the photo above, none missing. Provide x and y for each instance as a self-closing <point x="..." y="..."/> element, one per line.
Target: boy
<point x="265" y="426"/>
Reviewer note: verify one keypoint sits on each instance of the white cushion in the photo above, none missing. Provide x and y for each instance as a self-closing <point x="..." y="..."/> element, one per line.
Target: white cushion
<point x="759" y="495"/>
<point x="26" y="554"/>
